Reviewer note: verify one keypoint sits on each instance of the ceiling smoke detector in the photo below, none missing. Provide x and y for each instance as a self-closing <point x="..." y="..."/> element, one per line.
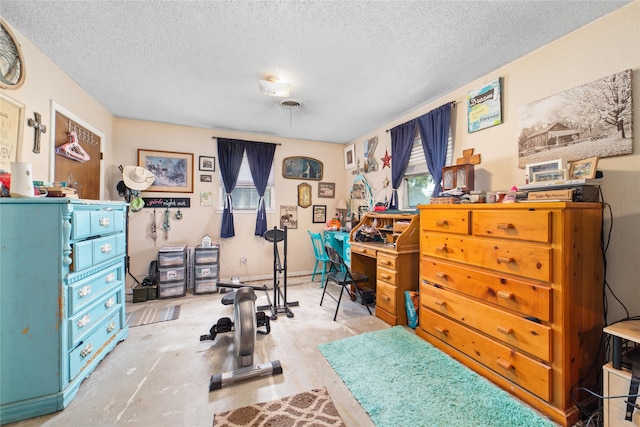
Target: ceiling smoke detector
<point x="290" y="104"/>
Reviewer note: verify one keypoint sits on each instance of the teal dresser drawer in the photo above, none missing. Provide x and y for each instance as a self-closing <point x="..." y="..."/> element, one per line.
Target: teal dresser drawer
<point x="90" y="252"/>
<point x="93" y="345"/>
<point x="83" y="322"/>
<point x="85" y="291"/>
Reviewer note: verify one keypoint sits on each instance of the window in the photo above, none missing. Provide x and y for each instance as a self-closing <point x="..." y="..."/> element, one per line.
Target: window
<point x="245" y="196"/>
<point x="418" y="184"/>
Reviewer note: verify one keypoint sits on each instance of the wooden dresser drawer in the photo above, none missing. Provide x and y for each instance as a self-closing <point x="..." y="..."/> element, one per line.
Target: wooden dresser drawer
<point x="363" y="250"/>
<point x="386" y="297"/>
<point x="457" y="222"/>
<point x="529" y="298"/>
<point x="386" y="275"/>
<point x="526" y="260"/>
<point x="526" y="335"/>
<point x="93" y="345"/>
<point x="522" y="370"/>
<point x="82" y="292"/>
<point x="386" y="260"/>
<point x="86" y="320"/>
<point x="531" y="225"/>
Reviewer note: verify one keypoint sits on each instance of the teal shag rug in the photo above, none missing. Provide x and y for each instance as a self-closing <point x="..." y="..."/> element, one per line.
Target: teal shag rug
<point x="402" y="380"/>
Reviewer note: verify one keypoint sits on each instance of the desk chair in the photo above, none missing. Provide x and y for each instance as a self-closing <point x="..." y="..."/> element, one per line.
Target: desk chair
<point x="320" y="254"/>
<point x="340" y="274"/>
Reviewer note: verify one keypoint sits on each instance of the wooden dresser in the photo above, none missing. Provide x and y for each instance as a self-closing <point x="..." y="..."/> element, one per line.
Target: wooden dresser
<point x="514" y="291"/>
<point x="62" y="275"/>
<point x="390" y="260"/>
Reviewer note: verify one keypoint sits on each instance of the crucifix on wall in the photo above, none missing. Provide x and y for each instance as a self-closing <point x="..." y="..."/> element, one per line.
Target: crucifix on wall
<point x="39" y="128"/>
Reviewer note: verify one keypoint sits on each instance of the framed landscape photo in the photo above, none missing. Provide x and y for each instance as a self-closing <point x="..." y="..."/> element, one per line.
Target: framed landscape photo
<point x="551" y="165"/>
<point x="207" y="163"/>
<point x="173" y="170"/>
<point x="556" y="175"/>
<point x="583" y="169"/>
<point x="326" y="190"/>
<point x="319" y="214"/>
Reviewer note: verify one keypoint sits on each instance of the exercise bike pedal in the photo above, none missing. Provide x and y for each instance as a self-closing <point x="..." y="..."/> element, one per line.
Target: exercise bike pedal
<point x="223" y="325"/>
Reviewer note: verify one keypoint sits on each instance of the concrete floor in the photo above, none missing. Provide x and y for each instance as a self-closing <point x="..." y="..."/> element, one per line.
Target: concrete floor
<point x="160" y="375"/>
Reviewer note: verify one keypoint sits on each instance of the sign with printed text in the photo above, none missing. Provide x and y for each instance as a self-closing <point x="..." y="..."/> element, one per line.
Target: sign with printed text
<point x="484" y="106"/>
<point x="166" y="202"/>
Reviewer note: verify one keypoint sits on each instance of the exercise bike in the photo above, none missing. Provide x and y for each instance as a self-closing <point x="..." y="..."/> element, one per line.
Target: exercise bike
<point x="245" y="327"/>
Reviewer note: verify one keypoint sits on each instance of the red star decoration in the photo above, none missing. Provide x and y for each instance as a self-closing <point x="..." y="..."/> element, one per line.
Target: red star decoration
<point x="386" y="160"/>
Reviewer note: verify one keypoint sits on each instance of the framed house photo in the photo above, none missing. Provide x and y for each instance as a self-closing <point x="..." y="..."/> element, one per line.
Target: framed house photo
<point x="173" y="170"/>
<point x="583" y="169"/>
<point x="532" y="169"/>
<point x="326" y="190"/>
<point x="207" y="163"/>
<point x="319" y="214"/>
<point x="350" y="157"/>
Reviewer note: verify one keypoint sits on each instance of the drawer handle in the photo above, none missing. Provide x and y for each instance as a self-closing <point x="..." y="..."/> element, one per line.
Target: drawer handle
<point x="441" y="330"/>
<point x="104" y="221"/>
<point x="386" y="262"/>
<point x="504" y="364"/>
<point x="111" y="326"/>
<point x="440" y="303"/>
<point x="385" y="276"/>
<point x="84" y="321"/>
<point x="110" y="277"/>
<point x="441" y="248"/>
<point x="505" y="294"/>
<point x="442" y="222"/>
<point x="110" y="302"/>
<point x="505" y="260"/>
<point x="106" y="248"/>
<point x="442" y="276"/>
<point x="87" y="350"/>
<point x="386" y="298"/>
<point x="84" y="291"/>
<point x="503" y="226"/>
<point x="504" y="330"/>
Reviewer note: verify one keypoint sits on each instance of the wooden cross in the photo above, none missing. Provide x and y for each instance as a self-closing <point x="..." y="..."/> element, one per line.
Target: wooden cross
<point x="39" y="128"/>
<point x="468" y="158"/>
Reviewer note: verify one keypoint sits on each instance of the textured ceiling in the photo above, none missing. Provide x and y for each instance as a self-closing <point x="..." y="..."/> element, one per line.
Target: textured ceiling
<point x="354" y="65"/>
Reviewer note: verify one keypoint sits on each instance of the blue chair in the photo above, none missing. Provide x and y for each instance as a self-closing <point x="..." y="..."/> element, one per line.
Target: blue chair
<point x="320" y="254"/>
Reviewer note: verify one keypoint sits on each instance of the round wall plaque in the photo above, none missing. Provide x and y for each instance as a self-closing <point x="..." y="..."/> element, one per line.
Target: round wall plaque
<point x="12" y="71"/>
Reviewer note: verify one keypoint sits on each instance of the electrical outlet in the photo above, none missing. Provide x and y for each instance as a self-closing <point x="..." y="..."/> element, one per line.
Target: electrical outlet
<point x="243" y="259"/>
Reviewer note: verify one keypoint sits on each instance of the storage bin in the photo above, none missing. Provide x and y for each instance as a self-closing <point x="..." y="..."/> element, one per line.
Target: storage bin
<point x="206" y="271"/>
<point x="205" y="286"/>
<point x="171" y="274"/>
<point x="206" y="255"/>
<point x="169" y="290"/>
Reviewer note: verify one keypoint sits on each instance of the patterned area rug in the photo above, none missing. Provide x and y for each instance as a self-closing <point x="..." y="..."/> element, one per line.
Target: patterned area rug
<point x="311" y="408"/>
<point x="152" y="315"/>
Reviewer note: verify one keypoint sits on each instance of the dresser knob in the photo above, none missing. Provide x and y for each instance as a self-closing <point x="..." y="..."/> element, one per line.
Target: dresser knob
<point x="505" y="294"/>
<point x="87" y="350"/>
<point x="442" y="222"/>
<point x="504" y="226"/>
<point x="84" y="321"/>
<point x="104" y="222"/>
<point x="84" y="291"/>
<point x="505" y="260"/>
<point x="504" y="330"/>
<point x="440" y="303"/>
<point x="441" y="330"/>
<point x="442" y="248"/>
<point x="110" y="277"/>
<point x="441" y="275"/>
<point x="111" y="327"/>
<point x="109" y="302"/>
<point x="106" y="248"/>
<point x="504" y="364"/>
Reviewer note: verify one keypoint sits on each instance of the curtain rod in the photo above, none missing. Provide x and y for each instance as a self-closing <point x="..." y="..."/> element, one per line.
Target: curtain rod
<point x="453" y="104"/>
<point x="257" y="142"/>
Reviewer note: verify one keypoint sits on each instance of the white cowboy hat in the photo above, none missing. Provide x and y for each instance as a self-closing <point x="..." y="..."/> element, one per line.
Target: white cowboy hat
<point x="137" y="177"/>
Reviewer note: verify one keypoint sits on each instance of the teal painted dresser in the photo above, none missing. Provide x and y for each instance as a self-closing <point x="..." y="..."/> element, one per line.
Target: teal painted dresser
<point x="62" y="298"/>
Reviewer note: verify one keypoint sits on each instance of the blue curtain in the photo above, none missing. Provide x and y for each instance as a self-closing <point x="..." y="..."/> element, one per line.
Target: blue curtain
<point x="230" y="152"/>
<point x="434" y="133"/>
<point x="260" y="157"/>
<point x="402" y="137"/>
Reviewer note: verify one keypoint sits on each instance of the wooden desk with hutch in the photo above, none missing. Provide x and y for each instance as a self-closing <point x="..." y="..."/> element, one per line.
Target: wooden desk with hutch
<point x="391" y="264"/>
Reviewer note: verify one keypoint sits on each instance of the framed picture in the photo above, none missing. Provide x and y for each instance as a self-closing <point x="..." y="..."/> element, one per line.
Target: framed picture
<point x="319" y="214"/>
<point x="12" y="64"/>
<point x="550" y="165"/>
<point x="206" y="198"/>
<point x="207" y="163"/>
<point x="173" y="170"/>
<point x="302" y="168"/>
<point x="206" y="178"/>
<point x="304" y="195"/>
<point x="289" y="216"/>
<point x="11" y="127"/>
<point x="557" y="175"/>
<point x="583" y="169"/>
<point x="484" y="108"/>
<point x="350" y="157"/>
<point x="326" y="190"/>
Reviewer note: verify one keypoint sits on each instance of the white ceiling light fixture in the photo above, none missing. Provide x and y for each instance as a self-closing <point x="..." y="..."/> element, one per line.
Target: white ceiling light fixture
<point x="274" y="87"/>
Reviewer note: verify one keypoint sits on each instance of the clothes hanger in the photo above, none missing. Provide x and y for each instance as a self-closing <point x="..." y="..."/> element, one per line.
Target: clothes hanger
<point x="73" y="150"/>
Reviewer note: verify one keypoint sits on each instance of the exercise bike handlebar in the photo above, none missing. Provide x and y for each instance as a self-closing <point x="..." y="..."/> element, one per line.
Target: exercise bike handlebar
<point x="240" y="285"/>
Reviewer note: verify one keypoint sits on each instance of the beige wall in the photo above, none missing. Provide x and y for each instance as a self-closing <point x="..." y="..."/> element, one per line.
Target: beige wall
<point x="129" y="135"/>
<point x="604" y="47"/>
